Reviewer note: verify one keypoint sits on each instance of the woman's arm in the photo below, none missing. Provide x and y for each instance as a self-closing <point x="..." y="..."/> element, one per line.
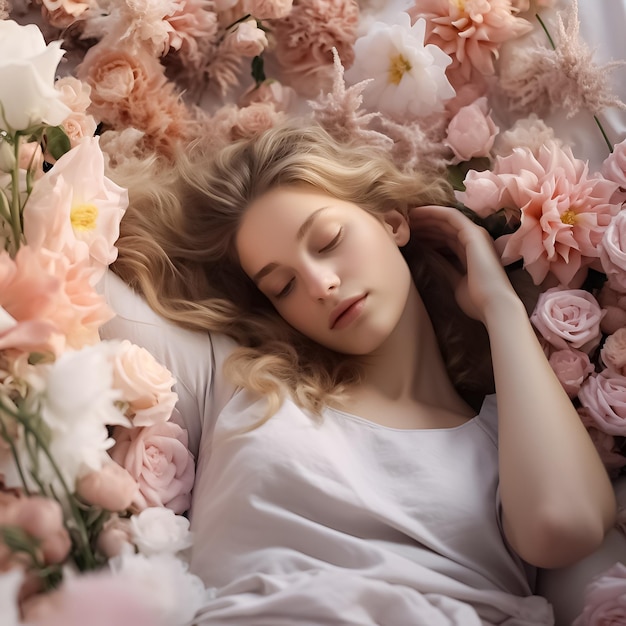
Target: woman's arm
<point x="557" y="499"/>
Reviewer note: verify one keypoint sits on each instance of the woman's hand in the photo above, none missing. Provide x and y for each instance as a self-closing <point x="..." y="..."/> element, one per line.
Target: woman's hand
<point x="475" y="271"/>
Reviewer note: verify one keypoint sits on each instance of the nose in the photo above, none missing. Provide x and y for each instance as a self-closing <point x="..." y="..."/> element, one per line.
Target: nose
<point x="321" y="282"/>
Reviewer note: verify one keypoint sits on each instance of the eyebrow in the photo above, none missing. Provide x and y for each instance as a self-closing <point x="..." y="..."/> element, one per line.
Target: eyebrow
<point x="305" y="227"/>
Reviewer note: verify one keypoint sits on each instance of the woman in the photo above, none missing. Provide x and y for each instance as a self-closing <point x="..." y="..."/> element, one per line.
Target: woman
<point x="343" y="477"/>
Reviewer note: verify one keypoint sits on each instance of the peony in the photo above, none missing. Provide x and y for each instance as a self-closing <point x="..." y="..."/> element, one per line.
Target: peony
<point x="568" y="318"/>
<point x="563" y="212"/>
<point x="571" y="368"/>
<point x="613" y="252"/>
<point x="157" y="529"/>
<point x="471" y="132"/>
<point x="605" y="599"/>
<point x="613" y="351"/>
<point x="27" y="69"/>
<point x="408" y="77"/>
<point x="144" y="384"/>
<point x="157" y="457"/>
<point x="76" y="210"/>
<point x="604" y="398"/>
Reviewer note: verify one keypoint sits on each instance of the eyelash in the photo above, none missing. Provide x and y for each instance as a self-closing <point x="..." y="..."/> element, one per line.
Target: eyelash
<point x="286" y="290"/>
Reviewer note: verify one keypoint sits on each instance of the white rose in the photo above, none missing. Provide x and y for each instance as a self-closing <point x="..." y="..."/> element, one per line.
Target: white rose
<point x="27" y="69"/>
<point x="158" y="529"/>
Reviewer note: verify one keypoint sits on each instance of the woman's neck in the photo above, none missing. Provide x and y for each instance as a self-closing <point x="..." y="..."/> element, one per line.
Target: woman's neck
<point x="409" y="367"/>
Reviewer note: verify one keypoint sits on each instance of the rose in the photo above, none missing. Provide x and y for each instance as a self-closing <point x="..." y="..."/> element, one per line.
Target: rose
<point x="471" y="132"/>
<point x="27" y="69"/>
<point x="111" y="488"/>
<point x="605" y="599"/>
<point x="568" y="318"/>
<point x="604" y="397"/>
<point x="571" y="368"/>
<point x="248" y="40"/>
<point x="144" y="383"/>
<point x="157" y="457"/>
<point x="613" y="351"/>
<point x="114" y="537"/>
<point x="613" y="252"/>
<point x="614" y="305"/>
<point x="157" y="529"/>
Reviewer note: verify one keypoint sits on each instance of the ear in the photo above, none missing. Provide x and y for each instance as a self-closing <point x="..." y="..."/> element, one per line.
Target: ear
<point x="398" y="227"/>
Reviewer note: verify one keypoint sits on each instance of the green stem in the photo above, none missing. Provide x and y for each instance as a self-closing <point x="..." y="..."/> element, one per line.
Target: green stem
<point x="595" y="117"/>
<point x="16" y="212"/>
<point x="5" y="436"/>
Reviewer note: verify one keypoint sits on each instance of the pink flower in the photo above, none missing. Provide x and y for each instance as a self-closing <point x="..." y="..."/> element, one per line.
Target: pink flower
<point x="568" y="318"/>
<point x="605" y="599"/>
<point x="97" y="599"/>
<point x="111" y="488"/>
<point x="115" y="536"/>
<point x="248" y="39"/>
<point x="471" y="132"/>
<point x="613" y="351"/>
<point x="614" y="168"/>
<point x="271" y="92"/>
<point x="157" y="457"/>
<point x="268" y="9"/>
<point x="76" y="210"/>
<point x="613" y="252"/>
<point x="75" y="95"/>
<point x="237" y="123"/>
<point x="571" y="368"/>
<point x="614" y="305"/>
<point x="305" y="39"/>
<point x="604" y="397"/>
<point x="563" y="212"/>
<point x="146" y="385"/>
<point x="471" y="32"/>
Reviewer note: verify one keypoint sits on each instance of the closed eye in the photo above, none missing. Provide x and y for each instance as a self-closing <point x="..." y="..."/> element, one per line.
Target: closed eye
<point x="285" y="290"/>
<point x="333" y="243"/>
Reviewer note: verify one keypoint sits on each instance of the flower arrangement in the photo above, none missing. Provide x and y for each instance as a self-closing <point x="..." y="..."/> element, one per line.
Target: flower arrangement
<point x="463" y="87"/>
<point x="94" y="473"/>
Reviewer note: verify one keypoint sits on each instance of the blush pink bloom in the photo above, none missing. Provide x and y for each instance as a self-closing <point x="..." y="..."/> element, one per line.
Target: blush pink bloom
<point x="115" y="536"/>
<point x="613" y="351"/>
<point x="614" y="168"/>
<point x="270" y="92"/>
<point x="305" y="39"/>
<point x="145" y="384"/>
<point x="75" y="95"/>
<point x="76" y="210"/>
<point x="571" y="368"/>
<point x="62" y="13"/>
<point x="267" y="9"/>
<point x="97" y="599"/>
<point x="471" y="132"/>
<point x="563" y="212"/>
<point x="568" y="318"/>
<point x="603" y="396"/>
<point x="613" y="252"/>
<point x="248" y="39"/>
<point x="157" y="457"/>
<point x="111" y="488"/>
<point x="471" y="32"/>
<point x="614" y="305"/>
<point x="605" y="599"/>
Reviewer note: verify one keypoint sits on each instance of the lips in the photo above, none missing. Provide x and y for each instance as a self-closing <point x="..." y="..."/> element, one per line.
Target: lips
<point x="343" y="308"/>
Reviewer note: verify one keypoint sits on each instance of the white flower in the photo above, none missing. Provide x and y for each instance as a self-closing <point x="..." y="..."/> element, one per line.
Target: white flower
<point x="77" y="406"/>
<point x="409" y="78"/>
<point x="159" y="529"/>
<point x="176" y="593"/>
<point x="27" y="68"/>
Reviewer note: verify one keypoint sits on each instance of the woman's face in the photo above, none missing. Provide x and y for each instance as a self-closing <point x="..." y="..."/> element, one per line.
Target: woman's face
<point x="332" y="270"/>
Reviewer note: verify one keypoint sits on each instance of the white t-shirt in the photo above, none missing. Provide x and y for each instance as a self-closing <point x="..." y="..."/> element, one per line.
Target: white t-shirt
<point x="335" y="520"/>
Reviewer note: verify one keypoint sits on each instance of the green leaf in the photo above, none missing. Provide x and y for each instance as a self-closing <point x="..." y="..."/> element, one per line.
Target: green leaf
<point x="258" y="69"/>
<point x="57" y="142"/>
<point x="17" y="540"/>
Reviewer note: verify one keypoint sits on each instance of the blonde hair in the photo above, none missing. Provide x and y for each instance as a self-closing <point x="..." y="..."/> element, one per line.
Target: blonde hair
<point x="177" y="246"/>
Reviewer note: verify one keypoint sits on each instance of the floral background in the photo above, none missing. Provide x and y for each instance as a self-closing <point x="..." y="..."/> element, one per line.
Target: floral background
<point x="500" y="95"/>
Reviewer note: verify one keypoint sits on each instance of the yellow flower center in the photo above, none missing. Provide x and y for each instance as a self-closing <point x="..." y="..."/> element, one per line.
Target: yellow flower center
<point x="569" y="217"/>
<point x="460" y="4"/>
<point x="83" y="217"/>
<point x="398" y="66"/>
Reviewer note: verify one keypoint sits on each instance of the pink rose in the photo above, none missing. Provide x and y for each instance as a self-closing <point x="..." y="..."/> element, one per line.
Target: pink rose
<point x="613" y="351"/>
<point x="603" y="396"/>
<point x="254" y="119"/>
<point x="115" y="535"/>
<point x="471" y="132"/>
<point x="571" y="368"/>
<point x="145" y="384"/>
<point x="605" y="599"/>
<point x="568" y="318"/>
<point x="157" y="457"/>
<point x="614" y="305"/>
<point x="613" y="252"/>
<point x="271" y="92"/>
<point x="111" y="488"/>
<point x="248" y="39"/>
